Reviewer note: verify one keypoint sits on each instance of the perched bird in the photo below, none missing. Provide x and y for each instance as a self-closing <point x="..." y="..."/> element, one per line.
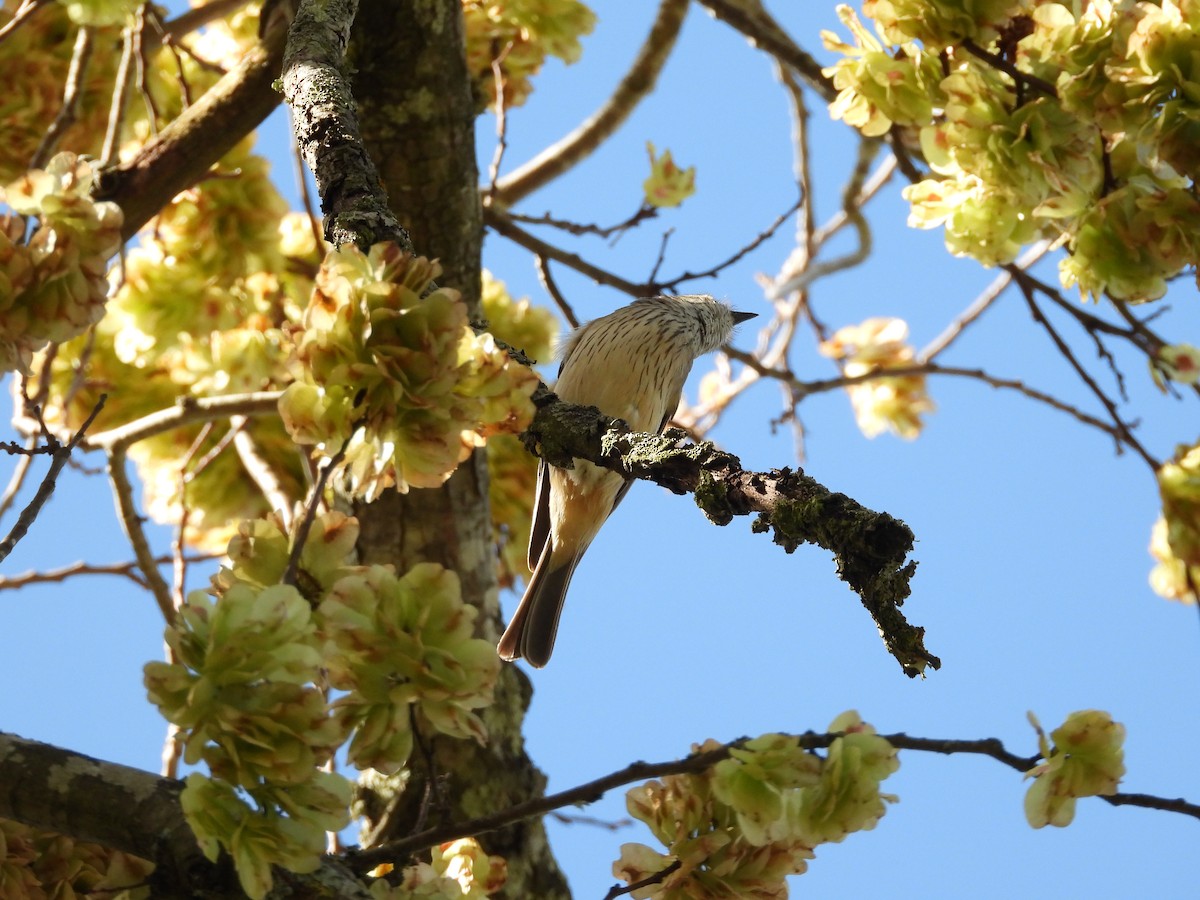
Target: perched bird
<point x="631" y="364"/>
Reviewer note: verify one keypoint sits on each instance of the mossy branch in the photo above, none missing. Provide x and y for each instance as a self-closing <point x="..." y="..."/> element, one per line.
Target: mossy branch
<point x="316" y="87"/>
<point x="870" y="548"/>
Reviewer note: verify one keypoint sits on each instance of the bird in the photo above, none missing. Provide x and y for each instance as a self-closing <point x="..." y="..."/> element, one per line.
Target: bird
<point x="631" y="364"/>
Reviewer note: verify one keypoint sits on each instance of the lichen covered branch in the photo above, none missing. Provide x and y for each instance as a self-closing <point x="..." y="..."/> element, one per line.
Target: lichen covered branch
<point x="870" y="548"/>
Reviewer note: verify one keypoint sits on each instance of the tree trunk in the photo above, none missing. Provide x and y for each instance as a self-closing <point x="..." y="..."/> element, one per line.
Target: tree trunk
<point x="418" y="120"/>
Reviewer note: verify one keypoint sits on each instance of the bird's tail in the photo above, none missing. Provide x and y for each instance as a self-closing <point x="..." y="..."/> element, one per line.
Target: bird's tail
<point x="531" y="632"/>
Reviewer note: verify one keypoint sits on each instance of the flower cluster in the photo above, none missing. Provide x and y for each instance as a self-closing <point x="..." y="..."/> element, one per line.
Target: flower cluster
<point x="190" y="320"/>
<point x="517" y="36"/>
<point x="52" y="286"/>
<point x="390" y="369"/>
<point x="400" y="646"/>
<point x="1176" y="540"/>
<point x="742" y="827"/>
<point x="242" y="690"/>
<point x="668" y="185"/>
<point x="888" y="401"/>
<point x="1085" y="760"/>
<point x="1041" y="120"/>
<point x="41" y="865"/>
<point x="248" y="679"/>
<point x="457" y="870"/>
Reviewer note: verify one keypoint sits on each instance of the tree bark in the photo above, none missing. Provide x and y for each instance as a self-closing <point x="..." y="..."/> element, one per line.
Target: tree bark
<point x="418" y="118"/>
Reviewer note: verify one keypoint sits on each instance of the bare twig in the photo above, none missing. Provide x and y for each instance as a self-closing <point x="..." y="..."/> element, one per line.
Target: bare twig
<point x="1124" y="432"/>
<point x="756" y="24"/>
<point x="1003" y="65"/>
<point x="80" y="57"/>
<point x="503" y="224"/>
<point x="981" y="303"/>
<point x="261" y="472"/>
<point x="501" y="118"/>
<point x="131" y="522"/>
<point x="60" y="455"/>
<point x="547" y="279"/>
<point x="715" y="270"/>
<point x="124" y="570"/>
<point x="188" y="411"/>
<point x="657" y="878"/>
<point x="17" y="481"/>
<point x="116" y="111"/>
<point x="316" y="495"/>
<point x="21" y="16"/>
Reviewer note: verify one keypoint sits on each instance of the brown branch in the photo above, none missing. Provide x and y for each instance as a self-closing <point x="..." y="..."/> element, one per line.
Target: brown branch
<point x="21" y="16"/>
<point x="503" y="224"/>
<point x="326" y="127"/>
<point x="1123" y="430"/>
<point x="638" y="82"/>
<point x="185" y="150"/>
<point x="547" y="280"/>
<point x="188" y="411"/>
<point x="715" y="270"/>
<point x="136" y="812"/>
<point x="304" y="526"/>
<point x="125" y="569"/>
<point x="131" y="523"/>
<point x="869" y="547"/>
<point x="762" y="31"/>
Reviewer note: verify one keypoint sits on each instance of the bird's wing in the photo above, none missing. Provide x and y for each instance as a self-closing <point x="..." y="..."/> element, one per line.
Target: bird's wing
<point x="539" y="529"/>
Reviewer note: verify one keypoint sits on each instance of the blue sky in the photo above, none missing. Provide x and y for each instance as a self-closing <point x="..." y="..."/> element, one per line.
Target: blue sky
<point x="1031" y="534"/>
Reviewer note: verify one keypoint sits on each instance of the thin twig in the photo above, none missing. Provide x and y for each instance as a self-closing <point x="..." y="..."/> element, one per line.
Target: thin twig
<point x="21" y="16"/>
<point x="262" y="473"/>
<point x="310" y="510"/>
<point x="67" y="114"/>
<point x="1124" y="432"/>
<point x="188" y="411"/>
<point x="17" y="481"/>
<point x="124" y="570"/>
<point x="501" y="117"/>
<point x="644" y="213"/>
<point x="131" y="522"/>
<point x="116" y="111"/>
<point x="547" y="279"/>
<point x="700" y="762"/>
<point x="981" y="303"/>
<point x="714" y="271"/>
<point x="59" y="459"/>
<point x="503" y="224"/>
<point x="657" y="878"/>
<point x="1003" y="65"/>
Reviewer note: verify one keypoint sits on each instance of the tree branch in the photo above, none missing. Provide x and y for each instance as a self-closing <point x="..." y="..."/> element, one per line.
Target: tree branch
<point x="576" y="146"/>
<point x="696" y="763"/>
<point x="188" y="411"/>
<point x="60" y="790"/>
<point x="60" y="454"/>
<point x="869" y="547"/>
<point x="326" y="125"/>
<point x="204" y="132"/>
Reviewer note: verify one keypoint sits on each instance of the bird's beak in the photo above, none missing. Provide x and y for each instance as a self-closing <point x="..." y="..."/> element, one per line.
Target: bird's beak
<point x="740" y="317"/>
